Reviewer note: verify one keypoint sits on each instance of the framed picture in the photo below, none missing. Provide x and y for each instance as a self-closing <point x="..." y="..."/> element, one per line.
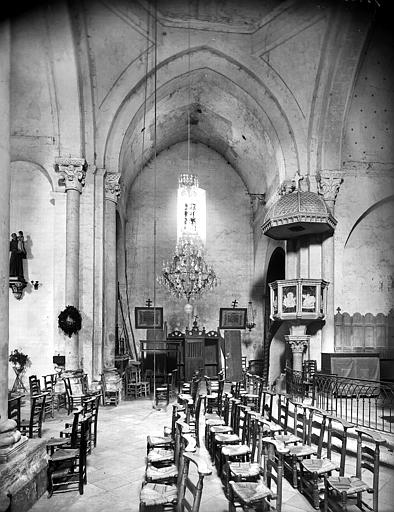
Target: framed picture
<point x="232" y="318"/>
<point x="148" y="318"/>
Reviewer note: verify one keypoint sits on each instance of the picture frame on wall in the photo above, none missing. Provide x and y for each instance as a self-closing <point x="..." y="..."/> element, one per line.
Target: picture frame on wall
<point x="148" y="318"/>
<point x="232" y="318"/>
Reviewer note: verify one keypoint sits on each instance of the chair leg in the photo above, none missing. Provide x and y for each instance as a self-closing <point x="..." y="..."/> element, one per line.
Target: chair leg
<point x="50" y="484"/>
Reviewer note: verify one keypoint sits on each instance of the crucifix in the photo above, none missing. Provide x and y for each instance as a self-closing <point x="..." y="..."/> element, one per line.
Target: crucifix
<point x="148" y="303"/>
<point x="234" y="303"/>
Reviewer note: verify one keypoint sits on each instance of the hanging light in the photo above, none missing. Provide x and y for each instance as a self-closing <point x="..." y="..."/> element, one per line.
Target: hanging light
<point x="250" y="323"/>
<point x="187" y="275"/>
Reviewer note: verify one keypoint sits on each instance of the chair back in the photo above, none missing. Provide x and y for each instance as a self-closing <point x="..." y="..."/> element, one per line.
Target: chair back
<point x="197" y="412"/>
<point x="337" y="434"/>
<point x="14" y="410"/>
<point x="77" y="385"/>
<point x="91" y="407"/>
<point x="36" y="414"/>
<point x="85" y="425"/>
<point x="267" y="398"/>
<point x="75" y="427"/>
<point x="49" y="382"/>
<point x="368" y="460"/>
<point x="34" y="385"/>
<point x="274" y="453"/>
<point x="302" y="419"/>
<point x="191" y="501"/>
<point x="194" y="386"/>
<point x="282" y="413"/>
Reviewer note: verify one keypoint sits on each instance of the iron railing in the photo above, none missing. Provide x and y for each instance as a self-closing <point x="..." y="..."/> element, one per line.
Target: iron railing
<point x="365" y="403"/>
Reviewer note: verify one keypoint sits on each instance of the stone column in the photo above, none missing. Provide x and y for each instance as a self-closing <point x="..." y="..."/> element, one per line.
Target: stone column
<point x="112" y="192"/>
<point x="98" y="327"/>
<point x="298" y="344"/>
<point x="4" y="211"/>
<point x="73" y="171"/>
<point x="328" y="185"/>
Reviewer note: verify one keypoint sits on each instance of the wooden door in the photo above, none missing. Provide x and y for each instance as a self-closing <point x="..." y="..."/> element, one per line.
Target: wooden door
<point x="233" y="355"/>
<point x="194" y="355"/>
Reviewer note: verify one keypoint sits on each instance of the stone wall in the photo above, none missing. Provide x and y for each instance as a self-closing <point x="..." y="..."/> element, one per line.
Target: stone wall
<point x="32" y="317"/>
<point x="229" y="241"/>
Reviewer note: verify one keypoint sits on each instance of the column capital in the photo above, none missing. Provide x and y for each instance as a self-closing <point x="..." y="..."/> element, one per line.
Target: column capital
<point x="73" y="171"/>
<point x="328" y="184"/>
<point x="298" y="343"/>
<point x="112" y="186"/>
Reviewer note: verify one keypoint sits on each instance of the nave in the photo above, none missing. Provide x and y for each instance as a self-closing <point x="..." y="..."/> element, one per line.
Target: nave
<point x="116" y="466"/>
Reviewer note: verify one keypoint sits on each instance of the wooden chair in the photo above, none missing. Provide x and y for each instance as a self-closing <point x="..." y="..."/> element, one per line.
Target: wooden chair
<point x="332" y="440"/>
<point x="300" y="445"/>
<point x="67" y="466"/>
<point x="260" y="495"/>
<point x="74" y="393"/>
<point x="35" y="389"/>
<point x="14" y="409"/>
<point x="91" y="407"/>
<point x="166" y="441"/>
<point x="59" y="397"/>
<point x="214" y="394"/>
<point x="163" y="392"/>
<point x="33" y="426"/>
<point x="252" y="397"/>
<point x="68" y="436"/>
<point x="218" y="426"/>
<point x="168" y="474"/>
<point x="135" y="386"/>
<point x="155" y="496"/>
<point x="110" y="393"/>
<point x="229" y="445"/>
<point x="344" y="490"/>
<point x="246" y="466"/>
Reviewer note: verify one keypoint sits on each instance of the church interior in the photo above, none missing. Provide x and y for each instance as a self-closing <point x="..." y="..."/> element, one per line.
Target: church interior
<point x="197" y="209"/>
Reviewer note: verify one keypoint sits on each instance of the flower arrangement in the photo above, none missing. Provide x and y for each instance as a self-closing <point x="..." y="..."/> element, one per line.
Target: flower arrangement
<point x="70" y="320"/>
<point x="19" y="359"/>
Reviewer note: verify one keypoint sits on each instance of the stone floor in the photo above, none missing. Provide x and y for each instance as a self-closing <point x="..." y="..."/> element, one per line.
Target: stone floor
<point x="116" y="466"/>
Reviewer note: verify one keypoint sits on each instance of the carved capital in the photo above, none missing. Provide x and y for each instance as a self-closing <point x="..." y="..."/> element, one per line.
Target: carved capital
<point x="73" y="171"/>
<point x="298" y="343"/>
<point x="112" y="186"/>
<point x="328" y="184"/>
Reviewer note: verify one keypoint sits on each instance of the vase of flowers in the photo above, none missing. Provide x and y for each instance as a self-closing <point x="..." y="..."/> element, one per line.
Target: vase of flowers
<point x="20" y="362"/>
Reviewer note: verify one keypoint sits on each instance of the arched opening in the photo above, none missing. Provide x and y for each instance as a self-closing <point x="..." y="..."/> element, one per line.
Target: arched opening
<point x="275" y="271"/>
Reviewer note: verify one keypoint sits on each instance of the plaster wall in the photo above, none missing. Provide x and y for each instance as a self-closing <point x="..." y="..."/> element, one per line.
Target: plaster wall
<point x="229" y="240"/>
<point x="32" y="317"/>
<point x="364" y="237"/>
<point x="364" y="242"/>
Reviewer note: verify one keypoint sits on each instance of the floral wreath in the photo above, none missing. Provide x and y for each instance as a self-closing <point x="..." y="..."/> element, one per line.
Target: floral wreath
<point x="70" y="320"/>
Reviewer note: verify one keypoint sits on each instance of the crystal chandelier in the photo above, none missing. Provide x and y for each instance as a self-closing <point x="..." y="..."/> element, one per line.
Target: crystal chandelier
<point x="187" y="274"/>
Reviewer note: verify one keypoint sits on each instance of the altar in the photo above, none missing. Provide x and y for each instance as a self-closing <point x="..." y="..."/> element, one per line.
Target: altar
<point x="187" y="352"/>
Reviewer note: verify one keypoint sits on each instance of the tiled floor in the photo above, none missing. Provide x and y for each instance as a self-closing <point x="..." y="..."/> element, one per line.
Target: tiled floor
<point x="116" y="466"/>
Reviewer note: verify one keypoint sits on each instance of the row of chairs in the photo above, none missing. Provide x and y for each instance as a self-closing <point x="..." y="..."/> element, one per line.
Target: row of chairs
<point x="315" y="444"/>
<point x="249" y="461"/>
<point x="169" y="481"/>
<point x="67" y="455"/>
<point x="69" y="392"/>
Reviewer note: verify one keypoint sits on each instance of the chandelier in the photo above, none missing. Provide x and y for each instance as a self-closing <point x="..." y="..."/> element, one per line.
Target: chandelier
<point x="187" y="275"/>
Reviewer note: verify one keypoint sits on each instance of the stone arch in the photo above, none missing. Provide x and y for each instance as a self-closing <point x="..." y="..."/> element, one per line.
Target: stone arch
<point x="275" y="270"/>
<point x="289" y="126"/>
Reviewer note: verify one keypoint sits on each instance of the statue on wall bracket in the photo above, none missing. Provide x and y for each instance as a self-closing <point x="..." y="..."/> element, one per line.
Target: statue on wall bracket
<point x="17" y="281"/>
